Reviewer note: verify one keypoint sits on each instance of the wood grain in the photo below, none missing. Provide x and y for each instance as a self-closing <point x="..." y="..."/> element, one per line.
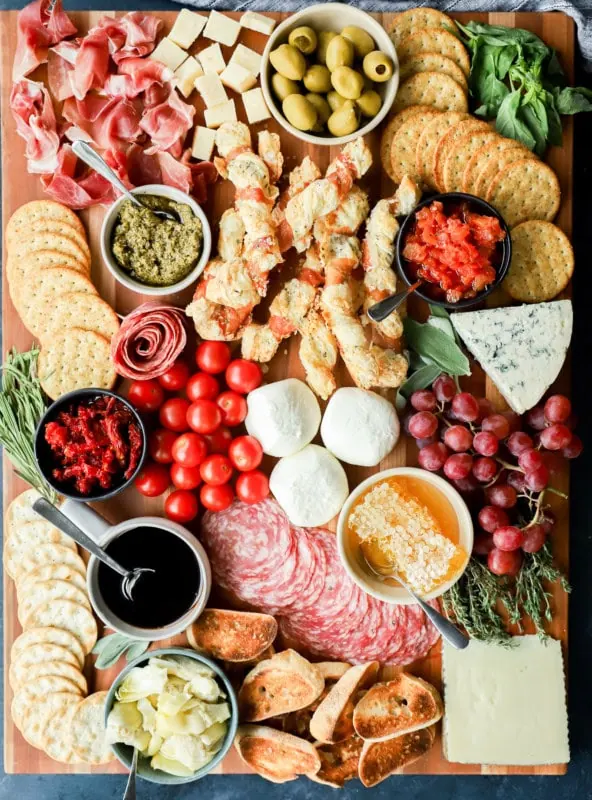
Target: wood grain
<point x="19" y="187"/>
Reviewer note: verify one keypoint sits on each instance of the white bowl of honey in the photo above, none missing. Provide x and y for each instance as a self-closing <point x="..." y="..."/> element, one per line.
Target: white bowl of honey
<point x="409" y="522"/>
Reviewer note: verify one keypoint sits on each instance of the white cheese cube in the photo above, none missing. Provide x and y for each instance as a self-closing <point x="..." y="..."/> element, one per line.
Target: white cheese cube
<point x="212" y="60"/>
<point x="247" y="58"/>
<point x="255" y="106"/>
<point x="186" y="75"/>
<point x="238" y="78"/>
<point x="211" y="89"/>
<point x="257" y="22"/>
<point x="169" y="54"/>
<point x="222" y="29"/>
<point x="204" y="140"/>
<point x="216" y="116"/>
<point x="187" y="28"/>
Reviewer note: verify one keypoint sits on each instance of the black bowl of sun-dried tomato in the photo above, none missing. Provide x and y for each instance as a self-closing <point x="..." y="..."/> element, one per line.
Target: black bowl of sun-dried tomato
<point x="90" y="444"/>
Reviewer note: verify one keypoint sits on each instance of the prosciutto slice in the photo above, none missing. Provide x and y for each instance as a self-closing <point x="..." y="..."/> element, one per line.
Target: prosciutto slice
<point x="149" y="341"/>
<point x="167" y="124"/>
<point x="33" y="113"/>
<point x="60" y="69"/>
<point x="76" y="192"/>
<point x="131" y="36"/>
<point x="92" y="63"/>
<point x="108" y="122"/>
<point x="40" y="25"/>
<point x="137" y="75"/>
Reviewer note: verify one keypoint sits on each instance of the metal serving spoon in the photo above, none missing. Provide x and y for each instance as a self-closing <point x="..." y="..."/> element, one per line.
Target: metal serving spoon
<point x="449" y="631"/>
<point x="130" y="787"/>
<point x="384" y="308"/>
<point x="49" y="512"/>
<point x="90" y="156"/>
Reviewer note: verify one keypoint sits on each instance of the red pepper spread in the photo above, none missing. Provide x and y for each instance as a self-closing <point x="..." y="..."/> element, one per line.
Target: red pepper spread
<point x="96" y="444"/>
<point x="457" y="250"/>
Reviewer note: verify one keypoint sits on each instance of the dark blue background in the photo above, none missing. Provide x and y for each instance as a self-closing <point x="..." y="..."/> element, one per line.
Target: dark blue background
<point x="577" y="784"/>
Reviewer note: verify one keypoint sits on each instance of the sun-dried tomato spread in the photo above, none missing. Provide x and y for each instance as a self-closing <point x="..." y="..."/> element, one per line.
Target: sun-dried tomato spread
<point x="455" y="249"/>
<point x="96" y="444"/>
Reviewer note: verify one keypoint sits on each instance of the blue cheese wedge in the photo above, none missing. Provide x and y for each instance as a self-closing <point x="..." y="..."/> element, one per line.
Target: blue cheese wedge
<point x="522" y="349"/>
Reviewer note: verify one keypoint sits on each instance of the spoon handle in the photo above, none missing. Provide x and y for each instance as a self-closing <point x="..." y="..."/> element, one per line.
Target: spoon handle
<point x="453" y="635"/>
<point x="384" y="308"/>
<point x="49" y="512"/>
<point x="90" y="156"/>
<point x="130" y="788"/>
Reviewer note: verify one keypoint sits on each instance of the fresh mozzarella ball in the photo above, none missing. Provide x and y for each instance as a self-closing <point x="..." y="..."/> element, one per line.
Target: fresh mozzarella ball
<point x="311" y="486"/>
<point x="284" y="416"/>
<point x="359" y="427"/>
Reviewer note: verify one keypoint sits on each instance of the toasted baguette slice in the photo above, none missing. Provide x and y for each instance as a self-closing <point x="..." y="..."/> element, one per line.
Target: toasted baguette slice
<point x="283" y="683"/>
<point x="381" y="759"/>
<point x="332" y="721"/>
<point x="333" y="670"/>
<point x="399" y="706"/>
<point x="277" y="756"/>
<point x="339" y="762"/>
<point x="232" y="635"/>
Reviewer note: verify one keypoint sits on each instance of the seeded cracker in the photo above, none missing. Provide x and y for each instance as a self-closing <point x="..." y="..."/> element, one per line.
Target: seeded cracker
<point x="542" y="262"/>
<point x="21" y="509"/>
<point x="26" y="536"/>
<point x="88" y="730"/>
<point x="389" y="134"/>
<point x="51" y="554"/>
<point x="435" y="41"/>
<point x="47" y="635"/>
<point x="525" y="190"/>
<point x="426" y="146"/>
<point x="432" y="89"/>
<point x="432" y="62"/>
<point x="405" y="144"/>
<point x="75" y="359"/>
<point x="458" y="155"/>
<point x="418" y="19"/>
<point x="488" y="161"/>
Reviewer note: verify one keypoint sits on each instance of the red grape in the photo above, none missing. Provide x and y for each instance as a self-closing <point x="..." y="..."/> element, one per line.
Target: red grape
<point x="502" y="495"/>
<point x="433" y="457"/>
<point x="496" y="424"/>
<point x="519" y="442"/>
<point x="444" y="388"/>
<point x="467" y="485"/>
<point x="574" y="448"/>
<point x="485" y="443"/>
<point x="530" y="460"/>
<point x="556" y="437"/>
<point x="458" y="438"/>
<point x="554" y="462"/>
<point x="465" y="407"/>
<point x="502" y="562"/>
<point x="536" y="418"/>
<point x="483" y="544"/>
<point x="534" y="538"/>
<point x="557" y="408"/>
<point x="485" y="469"/>
<point x="423" y="400"/>
<point x="458" y="466"/>
<point x="421" y="443"/>
<point x="492" y="517"/>
<point x="514" y="420"/>
<point x="485" y="408"/>
<point x="517" y="480"/>
<point x="538" y="479"/>
<point x="423" y="424"/>
<point x="508" y="538"/>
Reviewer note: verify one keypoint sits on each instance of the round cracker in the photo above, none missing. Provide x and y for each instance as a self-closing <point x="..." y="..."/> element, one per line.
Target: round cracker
<point x="432" y="62"/>
<point x="62" y="228"/>
<point x="75" y="359"/>
<point x="36" y="717"/>
<point x="61" y="668"/>
<point x="435" y="40"/>
<point x="34" y="693"/>
<point x="39" y="240"/>
<point x="542" y="262"/>
<point x="495" y="164"/>
<point x="525" y="190"/>
<point x="431" y="89"/>
<point x="44" y="592"/>
<point x="26" y="536"/>
<point x="428" y="141"/>
<point x="490" y="153"/>
<point x="21" y="509"/>
<point x="56" y="734"/>
<point x="35" y="654"/>
<point x="51" y="554"/>
<point x="79" y="310"/>
<point x="414" y="19"/>
<point x="48" y="635"/>
<point x="404" y="145"/>
<point x="448" y="140"/>
<point x="20" y="269"/>
<point x="49" y="572"/>
<point x="458" y="155"/>
<point x="389" y="132"/>
<point x="38" y="211"/>
<point x="88" y="730"/>
<point x="71" y="616"/>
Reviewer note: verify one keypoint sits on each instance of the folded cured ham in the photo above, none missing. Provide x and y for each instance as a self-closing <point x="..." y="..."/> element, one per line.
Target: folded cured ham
<point x="39" y="26"/>
<point x="35" y="121"/>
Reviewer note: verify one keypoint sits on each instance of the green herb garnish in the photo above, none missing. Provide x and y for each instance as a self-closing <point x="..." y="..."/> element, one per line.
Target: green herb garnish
<point x="111" y="647"/>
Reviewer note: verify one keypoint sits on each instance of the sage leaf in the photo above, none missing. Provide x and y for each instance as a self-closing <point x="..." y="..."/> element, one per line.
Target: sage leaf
<point x="421" y="379"/>
<point x="431" y="343"/>
<point x="137" y="648"/>
<point x="111" y="648"/>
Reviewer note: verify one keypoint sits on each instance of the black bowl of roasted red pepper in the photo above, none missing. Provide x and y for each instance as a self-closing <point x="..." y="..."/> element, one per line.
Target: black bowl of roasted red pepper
<point x="458" y="246"/>
<point x="90" y="444"/>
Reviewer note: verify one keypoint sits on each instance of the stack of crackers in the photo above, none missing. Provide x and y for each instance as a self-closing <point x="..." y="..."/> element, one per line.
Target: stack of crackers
<point x="50" y="706"/>
<point x="48" y="269"/>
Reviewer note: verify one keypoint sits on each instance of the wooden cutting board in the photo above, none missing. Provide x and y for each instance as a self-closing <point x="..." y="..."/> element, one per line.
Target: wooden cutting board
<point x="18" y="187"/>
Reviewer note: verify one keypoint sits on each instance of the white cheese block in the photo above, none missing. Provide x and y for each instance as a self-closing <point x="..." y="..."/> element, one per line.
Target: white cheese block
<point x="257" y="22"/>
<point x="247" y="58"/>
<point x="169" y="54"/>
<point x="212" y="60"/>
<point x="359" y="427"/>
<point x="218" y="115"/>
<point x="211" y="89"/>
<point x="522" y="348"/>
<point x="186" y="75"/>
<point x="311" y="486"/>
<point x="238" y="78"/>
<point x="255" y="106"/>
<point x="284" y="416"/>
<point x="204" y="140"/>
<point x="221" y="28"/>
<point x="187" y="28"/>
<point x="505" y="705"/>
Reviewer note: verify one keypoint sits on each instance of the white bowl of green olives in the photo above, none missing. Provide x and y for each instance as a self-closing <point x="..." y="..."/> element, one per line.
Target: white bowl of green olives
<point x="330" y="74"/>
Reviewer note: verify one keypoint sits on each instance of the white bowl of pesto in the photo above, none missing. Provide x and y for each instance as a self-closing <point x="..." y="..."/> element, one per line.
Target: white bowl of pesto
<point x="152" y="256"/>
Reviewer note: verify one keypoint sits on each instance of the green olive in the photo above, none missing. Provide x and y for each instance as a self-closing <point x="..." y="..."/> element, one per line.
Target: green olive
<point x="345" y="120"/>
<point x="335" y="100"/>
<point x="347" y="82"/>
<point x="340" y="53"/>
<point x="324" y="38"/>
<point x="363" y="43"/>
<point x="322" y="106"/>
<point x="299" y="112"/>
<point x="369" y="103"/>
<point x="378" y="66"/>
<point x="317" y="79"/>
<point x="289" y="62"/>
<point x="304" y="39"/>
<point x="282" y="87"/>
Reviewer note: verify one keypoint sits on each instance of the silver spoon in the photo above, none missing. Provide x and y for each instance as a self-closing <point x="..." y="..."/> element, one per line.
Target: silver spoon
<point x="90" y="156"/>
<point x="384" y="308"/>
<point x="49" y="512"/>
<point x="449" y="631"/>
<point x="130" y="787"/>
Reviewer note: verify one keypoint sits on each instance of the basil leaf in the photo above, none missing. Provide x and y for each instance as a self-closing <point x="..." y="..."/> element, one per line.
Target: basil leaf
<point x="421" y="379"/>
<point x="505" y="60"/>
<point x="429" y="342"/>
<point x="535" y="116"/>
<point x="510" y="125"/>
<point x="554" y="120"/>
<point x="573" y="100"/>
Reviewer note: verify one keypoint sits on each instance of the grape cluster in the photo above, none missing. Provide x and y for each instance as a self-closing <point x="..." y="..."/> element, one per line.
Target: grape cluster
<point x="488" y="457"/>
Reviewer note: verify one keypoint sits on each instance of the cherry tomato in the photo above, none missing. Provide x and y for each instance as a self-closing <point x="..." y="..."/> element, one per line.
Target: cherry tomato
<point x="252" y="487"/>
<point x="160" y="445"/>
<point x="243" y="376"/>
<point x="234" y="408"/>
<point x="213" y="357"/>
<point x="146" y="395"/>
<point x="175" y="378"/>
<point x="173" y="414"/>
<point x="220" y="440"/>
<point x="216" y="470"/>
<point x="216" y="498"/>
<point x="185" y="477"/>
<point x="246" y="453"/>
<point x="152" y="480"/>
<point x="181" y="506"/>
<point x="204" y="416"/>
<point x="190" y="449"/>
<point x="202" y="386"/>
